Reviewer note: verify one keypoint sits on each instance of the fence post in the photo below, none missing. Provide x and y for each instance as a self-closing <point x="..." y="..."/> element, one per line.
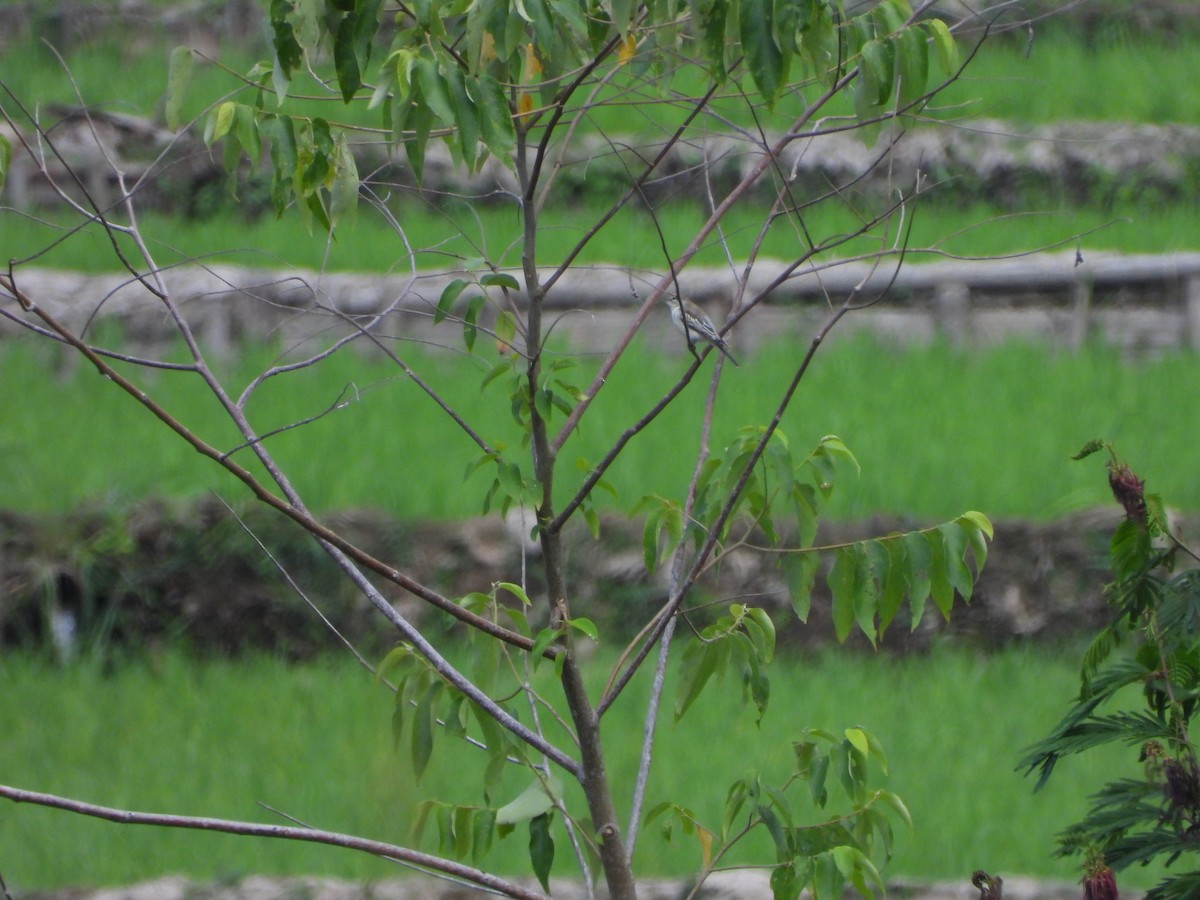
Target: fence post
<point x="1191" y="312"/>
<point x="1081" y="312"/>
<point x="952" y="310"/>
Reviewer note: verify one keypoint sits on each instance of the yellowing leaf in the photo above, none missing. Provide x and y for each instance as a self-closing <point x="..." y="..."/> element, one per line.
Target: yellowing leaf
<point x="628" y="49"/>
<point x="533" y="65"/>
<point x="706" y="841"/>
<point x="487" y="48"/>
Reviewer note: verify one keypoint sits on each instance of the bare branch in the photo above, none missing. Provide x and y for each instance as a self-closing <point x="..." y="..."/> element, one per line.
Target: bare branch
<point x="282" y="832"/>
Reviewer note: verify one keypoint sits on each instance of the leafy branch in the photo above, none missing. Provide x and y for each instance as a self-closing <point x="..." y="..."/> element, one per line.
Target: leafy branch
<point x="1136" y="820"/>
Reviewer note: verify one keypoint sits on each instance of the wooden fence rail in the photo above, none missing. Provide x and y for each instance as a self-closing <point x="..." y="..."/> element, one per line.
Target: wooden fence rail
<point x="1138" y="303"/>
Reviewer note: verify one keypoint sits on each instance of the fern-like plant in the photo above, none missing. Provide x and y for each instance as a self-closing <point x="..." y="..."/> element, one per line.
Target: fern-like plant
<point x="1152" y="645"/>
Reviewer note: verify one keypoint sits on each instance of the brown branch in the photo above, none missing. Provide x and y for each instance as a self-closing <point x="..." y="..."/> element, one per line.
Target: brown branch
<point x="285" y="832"/>
<point x="261" y="492"/>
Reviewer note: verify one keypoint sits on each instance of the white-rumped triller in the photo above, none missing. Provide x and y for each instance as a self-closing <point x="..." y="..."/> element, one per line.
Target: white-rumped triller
<point x="695" y="325"/>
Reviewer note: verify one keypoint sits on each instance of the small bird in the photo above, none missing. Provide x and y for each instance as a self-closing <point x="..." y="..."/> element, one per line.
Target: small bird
<point x="695" y="324"/>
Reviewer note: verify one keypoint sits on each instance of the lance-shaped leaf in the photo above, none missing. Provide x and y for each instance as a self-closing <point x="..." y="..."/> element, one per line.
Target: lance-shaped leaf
<point x="424" y="724"/>
<point x="343" y="199"/>
<point x="954" y="547"/>
<point x="944" y="46"/>
<point x="179" y="77"/>
<point x="288" y="53"/>
<point x="918" y="563"/>
<point x="764" y="58"/>
<point x="846" y="584"/>
<point x="541" y="849"/>
<point x="800" y="570"/>
<point x="5" y="159"/>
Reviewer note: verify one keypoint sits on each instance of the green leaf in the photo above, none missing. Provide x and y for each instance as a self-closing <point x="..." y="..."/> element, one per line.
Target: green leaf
<point x="536" y="800"/>
<point x="343" y="194"/>
<point x="281" y="134"/>
<point x="466" y="116"/>
<point x="774" y="828"/>
<point x="471" y="320"/>
<point x="179" y="77"/>
<point x="541" y="643"/>
<point x="815" y="778"/>
<point x="893" y="584"/>
<point x="853" y="864"/>
<point x="700" y="661"/>
<point x="801" y="572"/>
<point x="913" y="63"/>
<point x="765" y="60"/>
<point x="650" y="532"/>
<point x="506" y="327"/>
<point x="462" y="831"/>
<point x="399" y="660"/>
<point x="592" y="520"/>
<point x="319" y="148"/>
<point x="420" y="816"/>
<point x="5" y="159"/>
<point x="445" y="826"/>
<point x="866" y="595"/>
<point x="516" y="590"/>
<point x="417" y="118"/>
<point x="979" y="530"/>
<point x="511" y="480"/>
<point x="713" y="24"/>
<point x="943" y="43"/>
<point x="843" y="584"/>
<point x="893" y="800"/>
<point x="877" y="67"/>
<point x="585" y="626"/>
<point x="450" y="293"/>
<point x="954" y="542"/>
<point x="541" y="849"/>
<point x="786" y="883"/>
<point x="918" y="564"/>
<point x="434" y="90"/>
<point x="288" y="54"/>
<point x="500" y="280"/>
<point x="345" y="60"/>
<point x="220" y="122"/>
<point x="496" y="120"/>
<point x="307" y="18"/>
<point x="366" y="26"/>
<point x="1090" y="447"/>
<point x="483" y="827"/>
<point x="940" y="586"/>
<point x="761" y="630"/>
<point x="246" y="130"/>
<point x="858" y="738"/>
<point x="423" y="729"/>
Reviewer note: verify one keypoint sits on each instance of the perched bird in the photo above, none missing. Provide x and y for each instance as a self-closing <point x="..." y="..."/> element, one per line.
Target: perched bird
<point x="696" y="325"/>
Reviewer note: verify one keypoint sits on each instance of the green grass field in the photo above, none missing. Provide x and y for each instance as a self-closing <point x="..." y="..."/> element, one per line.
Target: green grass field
<point x="449" y="237"/>
<point x="1050" y="78"/>
<point x="937" y="430"/>
<point x="313" y="741"/>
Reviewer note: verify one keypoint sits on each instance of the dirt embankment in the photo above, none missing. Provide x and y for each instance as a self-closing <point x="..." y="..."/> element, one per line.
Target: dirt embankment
<point x="158" y="572"/>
